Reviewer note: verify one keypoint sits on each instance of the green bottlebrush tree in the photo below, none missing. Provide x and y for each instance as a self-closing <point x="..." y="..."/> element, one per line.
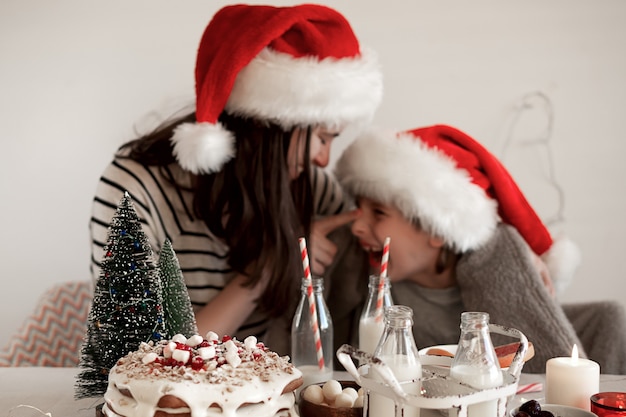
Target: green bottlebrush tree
<point x="127" y="307"/>
<point x="179" y="317"/>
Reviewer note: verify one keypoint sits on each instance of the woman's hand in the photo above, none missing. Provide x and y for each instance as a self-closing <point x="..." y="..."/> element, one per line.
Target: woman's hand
<point x="322" y="250"/>
<point x="229" y="309"/>
<point x="544" y="272"/>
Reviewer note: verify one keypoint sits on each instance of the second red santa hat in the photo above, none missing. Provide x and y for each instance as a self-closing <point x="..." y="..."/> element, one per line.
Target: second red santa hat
<point x="453" y="185"/>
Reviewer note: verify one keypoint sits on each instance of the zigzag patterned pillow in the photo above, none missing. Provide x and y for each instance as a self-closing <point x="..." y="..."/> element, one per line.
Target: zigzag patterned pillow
<point x="54" y="333"/>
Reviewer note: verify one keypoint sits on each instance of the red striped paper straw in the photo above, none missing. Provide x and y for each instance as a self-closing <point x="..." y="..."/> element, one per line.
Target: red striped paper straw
<point x="532" y="387"/>
<point x="383" y="277"/>
<point x="312" y="308"/>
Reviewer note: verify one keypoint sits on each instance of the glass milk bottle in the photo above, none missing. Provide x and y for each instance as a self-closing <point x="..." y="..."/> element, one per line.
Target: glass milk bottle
<point x="398" y="351"/>
<point x="475" y="362"/>
<point x="304" y="354"/>
<point x="370" y="326"/>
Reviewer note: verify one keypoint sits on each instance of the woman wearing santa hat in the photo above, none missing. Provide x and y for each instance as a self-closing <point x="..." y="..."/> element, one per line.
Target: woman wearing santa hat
<point x="464" y="238"/>
<point x="234" y="184"/>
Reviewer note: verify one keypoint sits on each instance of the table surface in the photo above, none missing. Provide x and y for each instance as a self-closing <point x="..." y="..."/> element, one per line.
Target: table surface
<point x="48" y="391"/>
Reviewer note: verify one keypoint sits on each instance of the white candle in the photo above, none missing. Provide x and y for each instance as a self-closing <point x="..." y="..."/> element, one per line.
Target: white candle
<point x="571" y="381"/>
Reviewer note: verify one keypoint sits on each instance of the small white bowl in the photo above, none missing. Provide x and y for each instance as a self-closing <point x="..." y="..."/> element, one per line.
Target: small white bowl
<point x="562" y="411"/>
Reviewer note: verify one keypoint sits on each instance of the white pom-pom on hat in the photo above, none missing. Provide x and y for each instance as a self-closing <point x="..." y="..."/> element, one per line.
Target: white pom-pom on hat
<point x="203" y="148"/>
<point x="562" y="260"/>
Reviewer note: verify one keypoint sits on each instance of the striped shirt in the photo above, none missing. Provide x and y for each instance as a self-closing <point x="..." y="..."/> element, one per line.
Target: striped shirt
<point x="166" y="211"/>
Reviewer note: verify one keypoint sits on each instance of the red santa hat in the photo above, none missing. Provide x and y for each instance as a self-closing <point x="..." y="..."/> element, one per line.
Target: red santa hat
<point x="454" y="186"/>
<point x="295" y="66"/>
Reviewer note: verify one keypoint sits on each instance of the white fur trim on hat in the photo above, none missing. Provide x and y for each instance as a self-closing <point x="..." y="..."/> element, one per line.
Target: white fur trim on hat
<point x="423" y="183"/>
<point x="202" y="148"/>
<point x="294" y="91"/>
<point x="562" y="260"/>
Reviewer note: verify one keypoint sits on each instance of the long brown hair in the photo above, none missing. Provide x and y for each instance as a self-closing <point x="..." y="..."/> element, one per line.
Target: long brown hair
<point x="251" y="203"/>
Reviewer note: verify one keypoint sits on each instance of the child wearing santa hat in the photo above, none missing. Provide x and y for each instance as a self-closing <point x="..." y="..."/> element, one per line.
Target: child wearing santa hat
<point x="234" y="184"/>
<point x="464" y="238"/>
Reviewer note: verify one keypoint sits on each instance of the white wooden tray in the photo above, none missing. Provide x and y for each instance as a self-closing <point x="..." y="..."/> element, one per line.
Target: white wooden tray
<point x="438" y="390"/>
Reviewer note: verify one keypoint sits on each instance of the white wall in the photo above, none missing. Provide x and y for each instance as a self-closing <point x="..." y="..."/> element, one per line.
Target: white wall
<point x="77" y="77"/>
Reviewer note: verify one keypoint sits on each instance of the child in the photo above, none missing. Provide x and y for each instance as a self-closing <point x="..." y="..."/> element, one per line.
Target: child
<point x="464" y="238"/>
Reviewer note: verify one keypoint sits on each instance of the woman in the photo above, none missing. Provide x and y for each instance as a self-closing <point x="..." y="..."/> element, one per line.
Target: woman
<point x="234" y="184"/>
<point x="464" y="238"/>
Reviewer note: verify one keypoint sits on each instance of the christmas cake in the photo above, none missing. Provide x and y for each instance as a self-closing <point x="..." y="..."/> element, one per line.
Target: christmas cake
<point x="202" y="377"/>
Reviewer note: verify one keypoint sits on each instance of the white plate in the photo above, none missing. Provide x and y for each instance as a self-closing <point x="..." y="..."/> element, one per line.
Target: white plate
<point x="437" y="360"/>
<point x="449" y="348"/>
<point x="563" y="411"/>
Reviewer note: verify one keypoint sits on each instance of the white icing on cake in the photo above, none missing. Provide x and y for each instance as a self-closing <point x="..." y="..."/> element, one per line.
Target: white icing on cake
<point x="239" y="379"/>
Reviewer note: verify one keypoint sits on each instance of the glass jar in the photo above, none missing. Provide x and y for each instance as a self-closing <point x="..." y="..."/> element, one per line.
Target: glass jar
<point x="372" y="323"/>
<point x="304" y="354"/>
<point x="398" y="351"/>
<point x="475" y="362"/>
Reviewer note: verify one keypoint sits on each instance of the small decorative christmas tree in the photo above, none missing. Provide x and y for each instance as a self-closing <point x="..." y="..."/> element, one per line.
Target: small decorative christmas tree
<point x="127" y="308"/>
<point x="179" y="316"/>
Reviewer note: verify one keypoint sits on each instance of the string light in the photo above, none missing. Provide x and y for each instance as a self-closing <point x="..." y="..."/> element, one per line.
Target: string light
<point x="28" y="406"/>
<point x="529" y="102"/>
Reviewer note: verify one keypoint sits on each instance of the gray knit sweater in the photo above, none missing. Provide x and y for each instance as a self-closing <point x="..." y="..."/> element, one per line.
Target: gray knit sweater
<point x="501" y="280"/>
